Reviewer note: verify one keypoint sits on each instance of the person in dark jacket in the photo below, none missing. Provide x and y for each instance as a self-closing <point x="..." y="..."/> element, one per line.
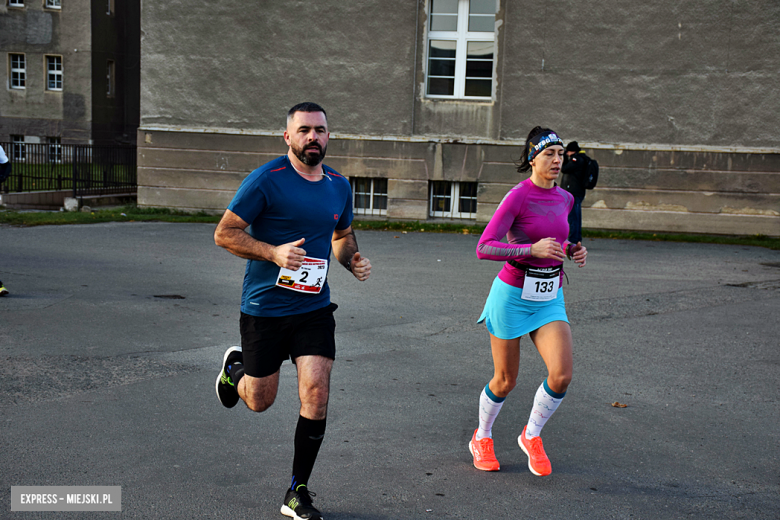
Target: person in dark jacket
<point x="573" y="180"/>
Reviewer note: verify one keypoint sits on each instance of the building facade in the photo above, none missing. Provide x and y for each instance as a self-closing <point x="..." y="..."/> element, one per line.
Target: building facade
<point x="72" y="72"/>
<point x="429" y="103"/>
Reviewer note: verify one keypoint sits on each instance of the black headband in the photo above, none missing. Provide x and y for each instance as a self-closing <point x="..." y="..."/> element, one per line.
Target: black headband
<point x="542" y="141"/>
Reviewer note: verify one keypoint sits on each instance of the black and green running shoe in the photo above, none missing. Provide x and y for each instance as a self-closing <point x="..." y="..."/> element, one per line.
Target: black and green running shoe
<point x="227" y="393"/>
<point x="297" y="504"/>
<point x="3" y="290"/>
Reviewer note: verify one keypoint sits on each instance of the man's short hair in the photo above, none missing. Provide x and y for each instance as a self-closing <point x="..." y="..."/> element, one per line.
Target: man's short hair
<point x="305" y="107"/>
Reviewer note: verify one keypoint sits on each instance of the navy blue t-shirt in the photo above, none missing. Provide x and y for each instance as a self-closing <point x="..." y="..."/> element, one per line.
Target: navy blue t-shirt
<point x="282" y="207"/>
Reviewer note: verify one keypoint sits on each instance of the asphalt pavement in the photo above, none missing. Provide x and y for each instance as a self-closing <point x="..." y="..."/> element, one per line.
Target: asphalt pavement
<point x="113" y="335"/>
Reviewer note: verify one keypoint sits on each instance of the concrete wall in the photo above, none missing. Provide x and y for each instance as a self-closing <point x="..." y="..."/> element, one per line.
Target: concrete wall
<point x="676" y="101"/>
<point x="678" y="73"/>
<point x="697" y="191"/>
<point x="651" y="190"/>
<point x="242" y="64"/>
<point x="57" y="200"/>
<point x="693" y="73"/>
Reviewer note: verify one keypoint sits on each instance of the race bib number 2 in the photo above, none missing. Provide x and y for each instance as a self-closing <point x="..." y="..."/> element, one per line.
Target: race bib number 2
<point x="309" y="278"/>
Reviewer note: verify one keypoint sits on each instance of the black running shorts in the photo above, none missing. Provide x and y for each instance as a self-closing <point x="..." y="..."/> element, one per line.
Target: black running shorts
<point x="267" y="342"/>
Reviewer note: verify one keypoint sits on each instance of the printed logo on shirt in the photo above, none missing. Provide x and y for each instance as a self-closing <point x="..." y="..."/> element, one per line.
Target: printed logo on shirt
<point x="550" y="209"/>
<point x="335" y="216"/>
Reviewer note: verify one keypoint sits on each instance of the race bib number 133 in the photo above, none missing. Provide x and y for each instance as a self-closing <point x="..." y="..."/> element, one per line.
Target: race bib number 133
<point x="541" y="284"/>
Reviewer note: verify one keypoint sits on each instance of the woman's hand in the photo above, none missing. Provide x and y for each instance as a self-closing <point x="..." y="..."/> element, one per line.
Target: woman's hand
<point x="548" y="248"/>
<point x="579" y="254"/>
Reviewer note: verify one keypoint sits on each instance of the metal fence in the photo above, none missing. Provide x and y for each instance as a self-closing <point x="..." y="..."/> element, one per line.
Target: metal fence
<point x="84" y="169"/>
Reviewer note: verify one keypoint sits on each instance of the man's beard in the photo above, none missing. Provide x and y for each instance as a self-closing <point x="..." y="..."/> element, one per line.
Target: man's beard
<point x="313" y="159"/>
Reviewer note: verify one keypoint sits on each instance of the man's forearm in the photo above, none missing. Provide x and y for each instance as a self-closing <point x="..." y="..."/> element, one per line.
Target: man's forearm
<point x="241" y="244"/>
<point x="344" y="249"/>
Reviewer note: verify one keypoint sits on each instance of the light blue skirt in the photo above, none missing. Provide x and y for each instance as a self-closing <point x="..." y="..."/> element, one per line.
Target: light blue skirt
<point x="508" y="316"/>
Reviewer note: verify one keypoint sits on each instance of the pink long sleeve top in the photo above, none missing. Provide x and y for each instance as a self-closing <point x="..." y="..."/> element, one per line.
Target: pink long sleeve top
<point x="527" y="214"/>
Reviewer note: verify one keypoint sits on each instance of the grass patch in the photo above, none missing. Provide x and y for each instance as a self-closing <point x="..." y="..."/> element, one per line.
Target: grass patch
<point x="753" y="240"/>
<point x="430" y="227"/>
<point x="132" y="213"/>
<point x="749" y="240"/>
<point x="129" y="213"/>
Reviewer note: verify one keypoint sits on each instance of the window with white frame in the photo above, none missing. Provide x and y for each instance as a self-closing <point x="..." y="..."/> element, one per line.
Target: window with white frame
<point x="53" y="4"/>
<point x="55" y="149"/>
<point x="461" y="49"/>
<point x="15" y="3"/>
<point x="110" y="70"/>
<point x="53" y="72"/>
<point x="454" y="199"/>
<point x="18" y="71"/>
<point x="18" y="148"/>
<point x="369" y="196"/>
<point x="110" y="7"/>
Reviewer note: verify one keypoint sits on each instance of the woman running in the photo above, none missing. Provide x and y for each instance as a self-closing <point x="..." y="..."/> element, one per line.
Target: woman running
<point x="527" y="298"/>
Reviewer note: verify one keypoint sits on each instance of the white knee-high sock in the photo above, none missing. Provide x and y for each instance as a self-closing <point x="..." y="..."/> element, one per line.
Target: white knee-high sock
<point x="545" y="403"/>
<point x="489" y="406"/>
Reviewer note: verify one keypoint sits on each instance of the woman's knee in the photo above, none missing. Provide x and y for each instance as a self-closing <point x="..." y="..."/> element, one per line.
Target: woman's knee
<point x="559" y="381"/>
<point x="502" y="384"/>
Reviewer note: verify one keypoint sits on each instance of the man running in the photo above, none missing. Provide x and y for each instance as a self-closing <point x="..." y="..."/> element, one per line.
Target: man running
<point x="299" y="211"/>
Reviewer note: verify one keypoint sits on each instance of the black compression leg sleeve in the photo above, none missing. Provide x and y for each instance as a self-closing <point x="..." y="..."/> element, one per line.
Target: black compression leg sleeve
<point x="308" y="438"/>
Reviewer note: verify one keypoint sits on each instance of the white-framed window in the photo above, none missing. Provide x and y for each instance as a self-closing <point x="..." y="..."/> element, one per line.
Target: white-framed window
<point x="109" y="7"/>
<point x="110" y="71"/>
<point x="55" y="149"/>
<point x="53" y="72"/>
<point x="461" y="49"/>
<point x="453" y="199"/>
<point x="369" y="196"/>
<point x="53" y="4"/>
<point x="15" y="3"/>
<point x="18" y="148"/>
<point x="18" y="71"/>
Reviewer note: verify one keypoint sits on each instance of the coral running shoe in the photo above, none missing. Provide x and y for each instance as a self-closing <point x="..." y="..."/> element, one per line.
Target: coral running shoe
<point x="484" y="456"/>
<point x="538" y="462"/>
